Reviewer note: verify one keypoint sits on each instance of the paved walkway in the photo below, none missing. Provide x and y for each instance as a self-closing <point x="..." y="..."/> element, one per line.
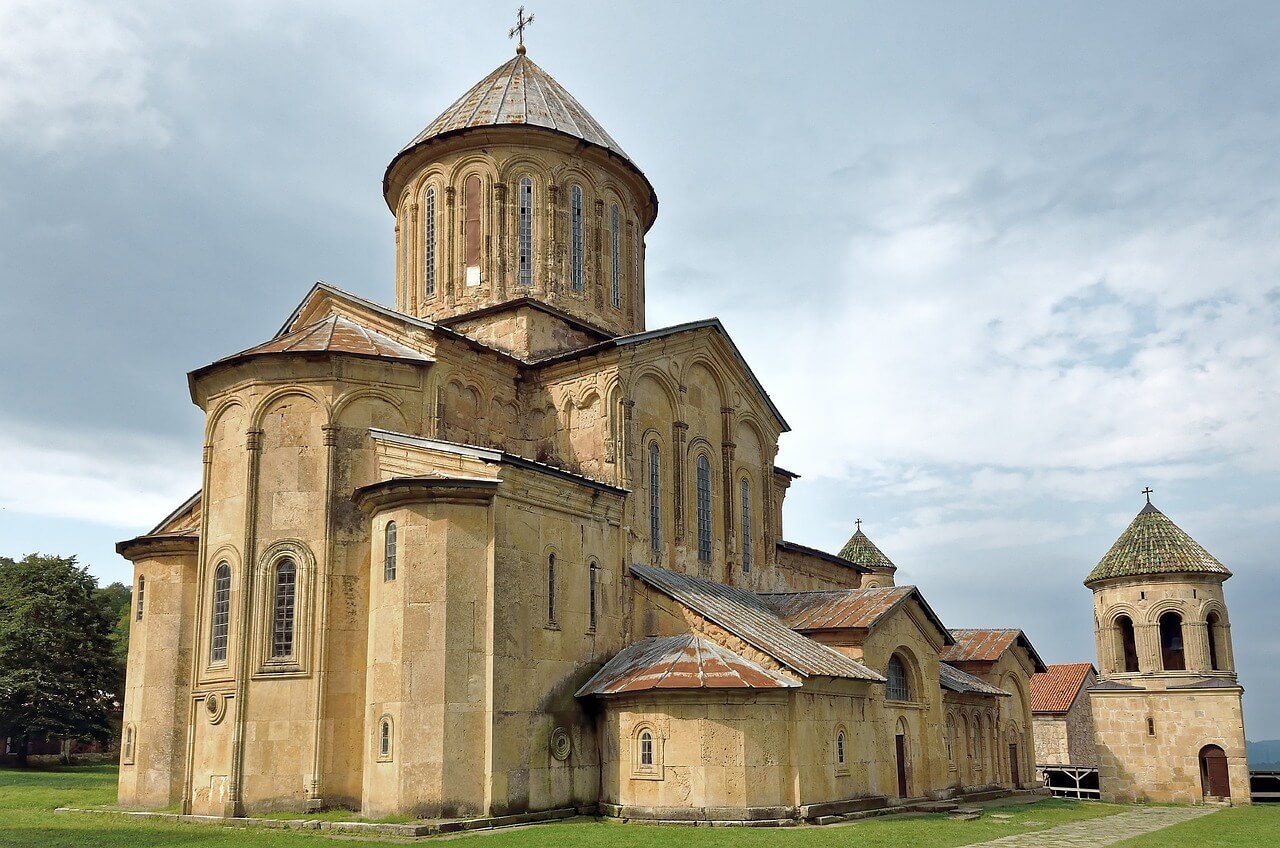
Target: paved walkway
<point x="1104" y="831"/>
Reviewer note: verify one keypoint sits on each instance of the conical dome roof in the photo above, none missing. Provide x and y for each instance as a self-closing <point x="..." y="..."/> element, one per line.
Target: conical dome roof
<point x="1152" y="544"/>
<point x="521" y="93"/>
<point x="863" y="551"/>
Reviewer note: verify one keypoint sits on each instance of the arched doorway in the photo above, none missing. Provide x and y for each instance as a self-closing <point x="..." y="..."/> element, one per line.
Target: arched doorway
<point x="900" y="751"/>
<point x="1213" y="772"/>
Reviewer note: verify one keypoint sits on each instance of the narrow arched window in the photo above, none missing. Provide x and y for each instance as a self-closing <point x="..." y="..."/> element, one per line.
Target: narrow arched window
<point x="389" y="552"/>
<point x="142" y="588"/>
<point x="593" y="594"/>
<point x="704" y="508"/>
<point x="221" y="617"/>
<point x="551" y="589"/>
<point x="746" y="526"/>
<point x="951" y="739"/>
<point x="472" y="235"/>
<point x="525" y="232"/>
<point x="646" y="749"/>
<point x="429" y="244"/>
<point x="577" y="269"/>
<point x="1172" y="653"/>
<point x="1128" y="643"/>
<point x="898" y="688"/>
<point x="840" y="748"/>
<point x="1211" y="625"/>
<point x="127" y="753"/>
<point x="615" y="256"/>
<point x="286" y="588"/>
<point x="384" y="739"/>
<point x="655" y="497"/>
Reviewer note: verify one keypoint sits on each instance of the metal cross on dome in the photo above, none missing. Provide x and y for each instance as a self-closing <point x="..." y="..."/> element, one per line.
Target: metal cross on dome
<point x="518" y="29"/>
<point x="858" y="521"/>
<point x="1147" y="491"/>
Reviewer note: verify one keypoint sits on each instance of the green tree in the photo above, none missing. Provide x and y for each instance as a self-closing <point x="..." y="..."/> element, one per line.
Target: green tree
<point x="58" y="670"/>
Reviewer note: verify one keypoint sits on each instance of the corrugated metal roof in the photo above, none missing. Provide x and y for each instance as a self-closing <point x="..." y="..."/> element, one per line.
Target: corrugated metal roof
<point x="521" y="93"/>
<point x="1053" y="690"/>
<point x="338" y="334"/>
<point x="745" y="615"/>
<point x="956" y="680"/>
<point x="864" y="552"/>
<point x="845" y="608"/>
<point x="1152" y="544"/>
<point x="681" y="662"/>
<point x="987" y="645"/>
<point x="183" y="521"/>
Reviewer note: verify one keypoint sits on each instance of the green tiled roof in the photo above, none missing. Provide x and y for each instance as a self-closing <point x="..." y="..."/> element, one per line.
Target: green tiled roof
<point x="1152" y="544"/>
<point x="863" y="551"/>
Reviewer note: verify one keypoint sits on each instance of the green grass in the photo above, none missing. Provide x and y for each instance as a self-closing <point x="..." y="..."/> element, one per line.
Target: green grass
<point x="1237" y="827"/>
<point x="28" y="798"/>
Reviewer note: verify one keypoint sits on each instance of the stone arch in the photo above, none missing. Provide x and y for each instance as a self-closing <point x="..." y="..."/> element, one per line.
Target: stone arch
<point x="463" y="410"/>
<point x="215" y="415"/>
<point x="369" y="393"/>
<point x="911" y="667"/>
<point x="1164" y="605"/>
<point x="268" y="402"/>
<point x="273" y="557"/>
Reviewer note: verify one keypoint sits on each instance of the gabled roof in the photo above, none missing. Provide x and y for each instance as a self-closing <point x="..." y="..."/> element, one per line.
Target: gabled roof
<point x="338" y="334"/>
<point x="863" y="551"/>
<point x="847" y="608"/>
<point x="681" y="662"/>
<point x="1055" y="689"/>
<point x="950" y="677"/>
<point x="712" y="324"/>
<point x="743" y="614"/>
<point x="1152" y="544"/>
<point x="988" y="645"/>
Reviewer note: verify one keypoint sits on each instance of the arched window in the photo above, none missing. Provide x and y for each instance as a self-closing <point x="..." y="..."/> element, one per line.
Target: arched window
<point x="384" y="739"/>
<point x="704" y="508"/>
<point x="286" y="587"/>
<point x="746" y="526"/>
<point x="577" y="275"/>
<point x="898" y="687"/>
<point x="429" y="243"/>
<point x="525" y="232"/>
<point x="389" y="552"/>
<point x="646" y="749"/>
<point x="142" y="588"/>
<point x="1211" y="626"/>
<point x="126" y="750"/>
<point x="1172" y="654"/>
<point x="471" y="228"/>
<point x="593" y="594"/>
<point x="655" y="497"/>
<point x="1128" y="643"/>
<point x="840" y="754"/>
<point x="951" y="740"/>
<point x="551" y="589"/>
<point x="615" y="256"/>
<point x="221" y="617"/>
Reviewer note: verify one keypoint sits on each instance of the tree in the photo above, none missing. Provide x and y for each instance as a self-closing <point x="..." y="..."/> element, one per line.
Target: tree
<point x="59" y="675"/>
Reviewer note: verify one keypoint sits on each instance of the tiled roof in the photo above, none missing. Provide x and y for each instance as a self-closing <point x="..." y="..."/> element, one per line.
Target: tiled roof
<point x="1152" y="544"/>
<point x="336" y="334"/>
<point x="987" y="645"/>
<point x="845" y="608"/>
<point x="863" y="551"/>
<point x="950" y="677"/>
<point x="521" y="93"/>
<point x="1053" y="691"/>
<point x="743" y="614"/>
<point x="681" y="662"/>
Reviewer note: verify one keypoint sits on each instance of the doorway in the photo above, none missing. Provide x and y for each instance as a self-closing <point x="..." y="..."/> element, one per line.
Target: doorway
<point x="1213" y="772"/>
<point x="1013" y="767"/>
<point x="901" y="748"/>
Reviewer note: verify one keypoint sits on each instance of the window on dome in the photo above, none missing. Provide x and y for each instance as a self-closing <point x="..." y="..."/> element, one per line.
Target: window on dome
<point x="704" y="508"/>
<point x="429" y="244"/>
<point x="615" y="255"/>
<point x="577" y="276"/>
<point x="471" y="228"/>
<point x="525" y="274"/>
<point x="655" y="497"/>
<point x="746" y="526"/>
<point x="1172" y="653"/>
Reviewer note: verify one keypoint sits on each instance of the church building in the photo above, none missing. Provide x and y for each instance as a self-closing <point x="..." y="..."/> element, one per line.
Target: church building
<point x="501" y="548"/>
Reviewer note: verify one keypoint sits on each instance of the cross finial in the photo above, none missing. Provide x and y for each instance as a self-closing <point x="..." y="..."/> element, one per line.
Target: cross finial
<point x="858" y="522"/>
<point x="1147" y="491"/>
<point x="518" y="29"/>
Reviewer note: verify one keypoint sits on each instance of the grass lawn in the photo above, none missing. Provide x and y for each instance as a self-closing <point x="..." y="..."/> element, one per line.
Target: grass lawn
<point x="1238" y="827"/>
<point x="28" y="797"/>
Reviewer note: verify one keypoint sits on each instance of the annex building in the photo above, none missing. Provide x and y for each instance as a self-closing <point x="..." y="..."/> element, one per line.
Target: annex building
<point x="502" y="548"/>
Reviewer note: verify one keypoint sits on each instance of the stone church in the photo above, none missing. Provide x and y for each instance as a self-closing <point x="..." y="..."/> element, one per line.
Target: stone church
<point x="503" y="549"/>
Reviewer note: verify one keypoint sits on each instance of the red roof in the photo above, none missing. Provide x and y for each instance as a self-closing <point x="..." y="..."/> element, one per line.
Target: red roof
<point x="681" y="662"/>
<point x="1053" y="691"/>
<point x="987" y="645"/>
<point x="336" y="334"/>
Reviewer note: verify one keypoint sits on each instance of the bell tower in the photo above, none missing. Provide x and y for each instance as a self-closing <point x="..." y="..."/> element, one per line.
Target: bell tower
<point x="1167" y="709"/>
<point x="519" y="220"/>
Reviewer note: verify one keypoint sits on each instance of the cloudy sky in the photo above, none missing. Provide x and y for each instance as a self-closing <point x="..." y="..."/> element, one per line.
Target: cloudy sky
<point x="1001" y="265"/>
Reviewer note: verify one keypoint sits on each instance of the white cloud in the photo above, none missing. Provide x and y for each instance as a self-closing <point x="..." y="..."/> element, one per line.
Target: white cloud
<point x="72" y="71"/>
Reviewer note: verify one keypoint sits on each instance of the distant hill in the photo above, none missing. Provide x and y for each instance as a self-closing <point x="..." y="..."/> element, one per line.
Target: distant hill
<point x="1264" y="755"/>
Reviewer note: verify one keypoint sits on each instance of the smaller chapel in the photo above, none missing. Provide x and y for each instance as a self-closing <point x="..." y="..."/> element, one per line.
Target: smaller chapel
<point x="499" y="548"/>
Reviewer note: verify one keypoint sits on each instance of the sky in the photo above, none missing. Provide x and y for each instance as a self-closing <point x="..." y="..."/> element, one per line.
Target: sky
<point x="1001" y="265"/>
